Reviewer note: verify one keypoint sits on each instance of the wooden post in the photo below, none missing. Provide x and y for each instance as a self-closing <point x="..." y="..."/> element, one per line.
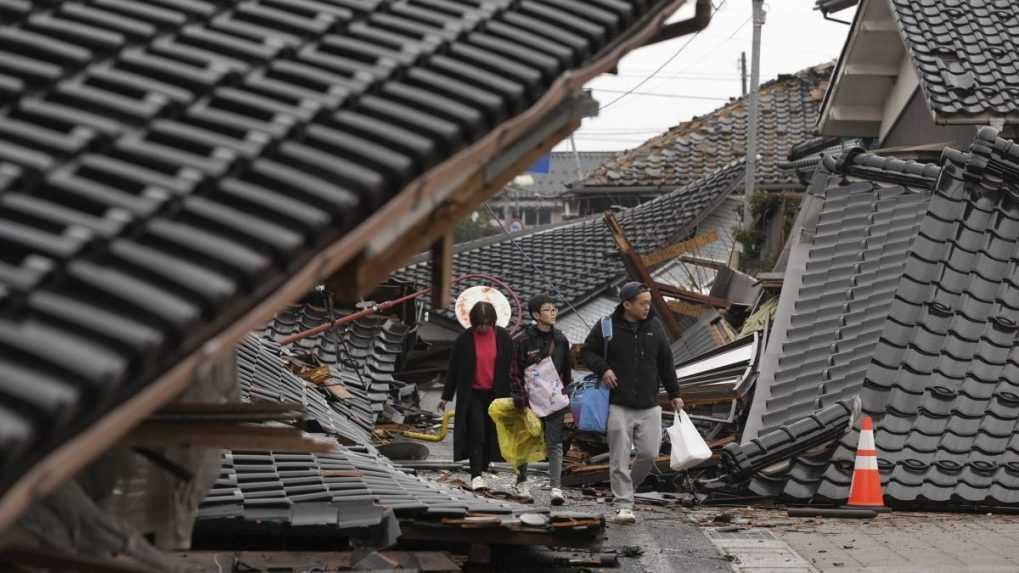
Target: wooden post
<point x="635" y="265"/>
<point x="442" y="270"/>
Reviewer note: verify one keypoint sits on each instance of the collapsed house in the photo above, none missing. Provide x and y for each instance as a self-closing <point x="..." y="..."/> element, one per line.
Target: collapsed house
<point x="896" y="288"/>
<point x="171" y="174"/>
<point x="918" y="324"/>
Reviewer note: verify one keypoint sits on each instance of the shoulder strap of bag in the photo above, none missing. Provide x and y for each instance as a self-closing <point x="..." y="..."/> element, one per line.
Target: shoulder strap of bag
<point x="606" y="334"/>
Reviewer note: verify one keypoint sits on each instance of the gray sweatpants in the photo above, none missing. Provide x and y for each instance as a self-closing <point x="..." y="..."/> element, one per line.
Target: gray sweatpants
<point x="553" y="427"/>
<point x="641" y="429"/>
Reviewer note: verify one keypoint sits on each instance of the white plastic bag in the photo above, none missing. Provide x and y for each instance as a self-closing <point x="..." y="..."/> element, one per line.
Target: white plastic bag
<point x="688" y="447"/>
<point x="544" y="388"/>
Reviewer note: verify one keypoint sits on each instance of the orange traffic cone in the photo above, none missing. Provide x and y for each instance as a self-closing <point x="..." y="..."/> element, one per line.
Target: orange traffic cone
<point x="865" y="491"/>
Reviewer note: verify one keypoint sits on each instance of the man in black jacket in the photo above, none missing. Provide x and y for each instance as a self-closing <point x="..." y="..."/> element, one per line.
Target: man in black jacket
<point x="636" y="360"/>
<point x="539" y="341"/>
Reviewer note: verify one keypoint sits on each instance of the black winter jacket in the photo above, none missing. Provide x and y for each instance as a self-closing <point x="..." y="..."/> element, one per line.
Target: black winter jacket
<point x="532" y="347"/>
<point x="460" y="378"/>
<point x="639" y="354"/>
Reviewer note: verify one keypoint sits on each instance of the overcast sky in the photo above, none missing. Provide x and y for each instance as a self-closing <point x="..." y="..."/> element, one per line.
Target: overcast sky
<point x="705" y="73"/>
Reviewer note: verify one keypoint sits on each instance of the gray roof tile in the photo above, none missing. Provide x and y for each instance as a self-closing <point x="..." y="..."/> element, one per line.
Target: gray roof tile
<point x="964" y="52"/>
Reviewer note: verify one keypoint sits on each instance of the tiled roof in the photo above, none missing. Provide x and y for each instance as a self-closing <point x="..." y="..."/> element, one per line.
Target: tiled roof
<point x="789" y="107"/>
<point x="165" y="166"/>
<point x="966" y="53"/>
<point x="581" y="259"/>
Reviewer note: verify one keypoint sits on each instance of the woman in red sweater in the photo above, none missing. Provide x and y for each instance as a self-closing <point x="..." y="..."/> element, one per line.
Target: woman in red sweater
<point x="479" y="372"/>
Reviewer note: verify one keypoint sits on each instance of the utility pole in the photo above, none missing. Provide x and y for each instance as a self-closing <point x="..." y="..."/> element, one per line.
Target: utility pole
<point x="755" y="78"/>
<point x="743" y="71"/>
<point x="576" y="158"/>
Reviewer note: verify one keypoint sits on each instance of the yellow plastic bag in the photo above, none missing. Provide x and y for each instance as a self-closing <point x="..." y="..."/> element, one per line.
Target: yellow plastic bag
<point x="520" y="436"/>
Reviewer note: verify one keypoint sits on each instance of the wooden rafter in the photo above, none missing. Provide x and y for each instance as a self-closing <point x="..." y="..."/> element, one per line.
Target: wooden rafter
<point x="636" y="268"/>
<point x="672" y="251"/>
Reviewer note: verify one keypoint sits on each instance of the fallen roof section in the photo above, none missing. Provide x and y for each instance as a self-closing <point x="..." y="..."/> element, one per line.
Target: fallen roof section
<point x="942" y="385"/>
<point x="264" y="377"/>
<point x="362" y="355"/>
<point x="852" y="252"/>
<point x="709" y="332"/>
<point x="845" y="263"/>
<point x="940" y="369"/>
<point x="181" y="171"/>
<point x="269" y="499"/>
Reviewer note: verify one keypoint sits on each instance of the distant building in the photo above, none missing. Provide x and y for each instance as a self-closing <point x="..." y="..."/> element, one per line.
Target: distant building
<point x="533" y="199"/>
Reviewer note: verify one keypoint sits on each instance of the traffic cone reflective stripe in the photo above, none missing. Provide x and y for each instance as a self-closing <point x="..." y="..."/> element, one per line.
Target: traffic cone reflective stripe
<point x="865" y="491"/>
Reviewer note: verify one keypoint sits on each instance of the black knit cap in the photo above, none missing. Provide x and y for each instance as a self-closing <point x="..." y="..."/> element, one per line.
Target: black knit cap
<point x="630" y="290"/>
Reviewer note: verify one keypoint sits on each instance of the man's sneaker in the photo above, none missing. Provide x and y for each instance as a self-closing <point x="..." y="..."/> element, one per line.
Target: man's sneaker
<point x="522" y="491"/>
<point x="624" y="516"/>
<point x="478" y="484"/>
<point x="557" y="496"/>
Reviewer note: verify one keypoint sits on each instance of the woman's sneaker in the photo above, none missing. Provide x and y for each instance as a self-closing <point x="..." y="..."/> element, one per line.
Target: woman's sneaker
<point x="557" y="496"/>
<point x="478" y="484"/>
<point x="624" y="516"/>
<point x="522" y="491"/>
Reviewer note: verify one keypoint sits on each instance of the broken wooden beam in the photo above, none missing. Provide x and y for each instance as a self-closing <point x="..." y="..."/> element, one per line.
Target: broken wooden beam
<point x="230" y="412"/>
<point x="152" y="434"/>
<point x="51" y="559"/>
<point x="694" y="297"/>
<point x="599" y="473"/>
<point x="588" y="536"/>
<point x="423" y="561"/>
<point x="442" y="271"/>
<point x="670" y="252"/>
<point x="635" y="265"/>
<point x="687" y="308"/>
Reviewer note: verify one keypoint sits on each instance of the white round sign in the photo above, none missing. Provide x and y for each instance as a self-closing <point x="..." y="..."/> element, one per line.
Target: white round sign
<point x="468" y="298"/>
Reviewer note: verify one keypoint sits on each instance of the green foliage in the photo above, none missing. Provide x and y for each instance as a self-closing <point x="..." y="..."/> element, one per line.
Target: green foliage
<point x="762" y="208"/>
<point x="477" y="225"/>
<point x="792" y="209"/>
<point x="762" y="205"/>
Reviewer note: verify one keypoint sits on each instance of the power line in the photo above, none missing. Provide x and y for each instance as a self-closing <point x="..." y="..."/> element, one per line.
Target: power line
<point x="623" y="131"/>
<point x="537" y="269"/>
<point x="638" y="73"/>
<point x="661" y="67"/>
<point x="654" y="94"/>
